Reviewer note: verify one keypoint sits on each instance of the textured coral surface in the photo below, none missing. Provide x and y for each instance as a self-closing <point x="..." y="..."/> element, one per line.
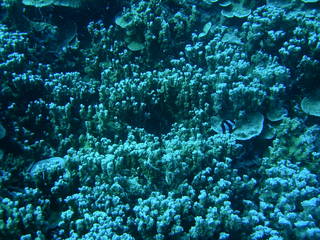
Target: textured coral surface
<point x="159" y="119"/>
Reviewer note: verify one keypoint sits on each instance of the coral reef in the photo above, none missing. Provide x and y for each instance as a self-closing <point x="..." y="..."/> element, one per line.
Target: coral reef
<point x="159" y="120"/>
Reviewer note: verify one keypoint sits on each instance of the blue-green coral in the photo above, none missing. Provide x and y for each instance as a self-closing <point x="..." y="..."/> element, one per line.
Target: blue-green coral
<point x="159" y="120"/>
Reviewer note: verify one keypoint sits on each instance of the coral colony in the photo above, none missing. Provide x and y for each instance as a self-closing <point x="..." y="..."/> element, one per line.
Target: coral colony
<point x="159" y="120"/>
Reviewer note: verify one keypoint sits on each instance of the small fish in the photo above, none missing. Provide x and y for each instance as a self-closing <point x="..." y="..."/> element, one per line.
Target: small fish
<point x="228" y="126"/>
